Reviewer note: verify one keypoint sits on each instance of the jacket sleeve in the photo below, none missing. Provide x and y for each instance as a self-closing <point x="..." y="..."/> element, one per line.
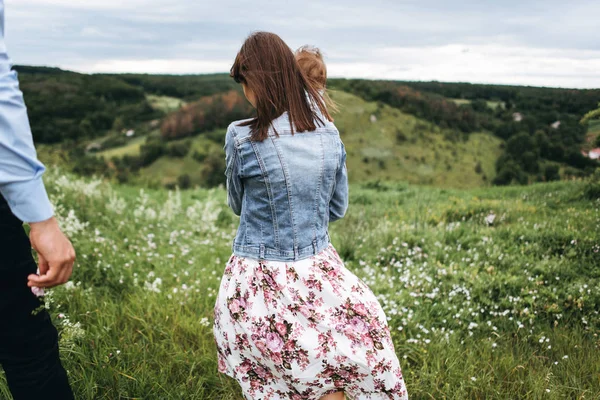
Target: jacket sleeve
<point x="338" y="205"/>
<point x="235" y="187"/>
<point x="20" y="171"/>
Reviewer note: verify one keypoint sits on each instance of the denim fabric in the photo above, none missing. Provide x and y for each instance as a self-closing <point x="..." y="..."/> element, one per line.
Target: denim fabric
<point x="28" y="340"/>
<point x="286" y="189"/>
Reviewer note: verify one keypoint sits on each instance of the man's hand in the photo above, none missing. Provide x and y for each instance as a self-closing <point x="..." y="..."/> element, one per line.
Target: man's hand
<point x="55" y="254"/>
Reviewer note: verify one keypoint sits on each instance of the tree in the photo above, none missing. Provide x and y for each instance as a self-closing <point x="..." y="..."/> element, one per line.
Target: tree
<point x="551" y="172"/>
<point x="519" y="144"/>
<point x="508" y="173"/>
<point x="212" y="174"/>
<point x="184" y="181"/>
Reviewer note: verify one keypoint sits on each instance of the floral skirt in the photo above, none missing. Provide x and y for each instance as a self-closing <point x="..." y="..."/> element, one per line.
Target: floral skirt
<point x="304" y="329"/>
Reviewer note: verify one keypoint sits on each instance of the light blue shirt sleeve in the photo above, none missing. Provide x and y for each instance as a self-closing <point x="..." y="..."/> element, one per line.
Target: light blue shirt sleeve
<point x="20" y="171"/>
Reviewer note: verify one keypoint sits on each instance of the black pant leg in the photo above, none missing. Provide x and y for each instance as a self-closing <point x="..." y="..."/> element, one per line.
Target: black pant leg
<point x="28" y="340"/>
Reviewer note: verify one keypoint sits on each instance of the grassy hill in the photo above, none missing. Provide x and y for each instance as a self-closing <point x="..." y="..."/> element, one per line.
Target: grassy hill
<point x="382" y="143"/>
<point x="491" y="293"/>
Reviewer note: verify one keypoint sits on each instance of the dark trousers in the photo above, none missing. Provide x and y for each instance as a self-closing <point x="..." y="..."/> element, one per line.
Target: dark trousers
<point x="28" y="340"/>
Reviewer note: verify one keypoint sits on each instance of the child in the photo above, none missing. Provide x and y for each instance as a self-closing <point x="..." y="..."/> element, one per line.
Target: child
<point x="311" y="62"/>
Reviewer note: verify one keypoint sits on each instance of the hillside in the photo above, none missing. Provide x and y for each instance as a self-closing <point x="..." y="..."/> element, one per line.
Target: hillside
<point x="382" y="143"/>
<point x="541" y="126"/>
<point x="385" y="143"/>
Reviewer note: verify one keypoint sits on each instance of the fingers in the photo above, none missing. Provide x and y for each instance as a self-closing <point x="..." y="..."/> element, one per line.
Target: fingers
<point x="47" y="280"/>
<point x="43" y="267"/>
<point x="55" y="252"/>
<point x="65" y="273"/>
<point x="42" y="264"/>
<point x="57" y="273"/>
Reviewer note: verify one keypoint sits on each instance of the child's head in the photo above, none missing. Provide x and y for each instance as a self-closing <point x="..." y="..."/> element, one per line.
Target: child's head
<point x="311" y="62"/>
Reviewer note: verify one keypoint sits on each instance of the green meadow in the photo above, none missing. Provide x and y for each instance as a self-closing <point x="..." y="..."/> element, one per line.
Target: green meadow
<point x="490" y="293"/>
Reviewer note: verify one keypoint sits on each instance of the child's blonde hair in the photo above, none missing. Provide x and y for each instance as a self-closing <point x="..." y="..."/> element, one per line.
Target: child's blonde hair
<point x="311" y="63"/>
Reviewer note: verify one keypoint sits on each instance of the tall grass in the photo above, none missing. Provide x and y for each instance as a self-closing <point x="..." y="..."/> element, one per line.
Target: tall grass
<point x="480" y="307"/>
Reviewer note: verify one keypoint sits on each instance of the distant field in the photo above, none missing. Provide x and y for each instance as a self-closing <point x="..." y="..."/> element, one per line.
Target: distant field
<point x="165" y="103"/>
<point x="131" y="148"/>
<point x="491" y="104"/>
<point x="592" y="134"/>
<point x="594" y="126"/>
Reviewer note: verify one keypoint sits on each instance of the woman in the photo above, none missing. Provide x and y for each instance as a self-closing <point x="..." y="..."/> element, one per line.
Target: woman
<point x="291" y="322"/>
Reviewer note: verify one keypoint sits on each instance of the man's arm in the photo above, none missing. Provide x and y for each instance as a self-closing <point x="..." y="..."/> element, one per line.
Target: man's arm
<point x="21" y="181"/>
<point x="20" y="171"/>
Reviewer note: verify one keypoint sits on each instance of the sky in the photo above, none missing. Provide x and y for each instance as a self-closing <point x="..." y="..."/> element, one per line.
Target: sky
<point x="526" y="42"/>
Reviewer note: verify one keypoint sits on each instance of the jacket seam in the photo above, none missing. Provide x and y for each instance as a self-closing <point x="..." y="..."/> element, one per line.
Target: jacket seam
<point x="333" y="184"/>
<point x="318" y="191"/>
<point x="287" y="186"/>
<point x="239" y="159"/>
<point x="267" y="183"/>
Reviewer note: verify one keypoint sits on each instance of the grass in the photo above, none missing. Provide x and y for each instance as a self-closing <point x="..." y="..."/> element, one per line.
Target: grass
<point x="594" y="126"/>
<point x="131" y="148"/>
<point x="503" y="309"/>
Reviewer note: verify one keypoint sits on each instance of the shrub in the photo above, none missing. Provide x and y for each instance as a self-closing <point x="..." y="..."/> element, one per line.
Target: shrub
<point x="551" y="172"/>
<point x="529" y="161"/>
<point x="200" y="157"/>
<point x="114" y="141"/>
<point x="400" y="136"/>
<point x="184" y="181"/>
<point x="179" y="149"/>
<point x="213" y="175"/>
<point x="509" y="172"/>
<point x="591" y="190"/>
<point x="151" y="151"/>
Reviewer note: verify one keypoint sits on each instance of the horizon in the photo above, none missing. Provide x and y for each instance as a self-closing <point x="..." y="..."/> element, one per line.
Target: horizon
<point x="513" y="43"/>
<point x="329" y="78"/>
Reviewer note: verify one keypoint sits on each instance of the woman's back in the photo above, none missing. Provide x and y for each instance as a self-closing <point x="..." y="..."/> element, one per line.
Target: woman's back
<point x="286" y="189"/>
<point x="290" y="320"/>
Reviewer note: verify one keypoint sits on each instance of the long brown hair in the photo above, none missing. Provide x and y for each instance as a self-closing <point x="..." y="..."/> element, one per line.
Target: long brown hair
<point x="269" y="69"/>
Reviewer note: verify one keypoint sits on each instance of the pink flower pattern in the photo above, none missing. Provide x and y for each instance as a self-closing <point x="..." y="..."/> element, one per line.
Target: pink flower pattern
<point x="302" y="330"/>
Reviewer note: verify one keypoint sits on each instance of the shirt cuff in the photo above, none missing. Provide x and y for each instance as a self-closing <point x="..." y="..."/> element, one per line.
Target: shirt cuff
<point x="28" y="200"/>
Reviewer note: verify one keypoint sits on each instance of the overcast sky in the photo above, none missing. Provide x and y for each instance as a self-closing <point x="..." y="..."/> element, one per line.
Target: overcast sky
<point x="542" y="43"/>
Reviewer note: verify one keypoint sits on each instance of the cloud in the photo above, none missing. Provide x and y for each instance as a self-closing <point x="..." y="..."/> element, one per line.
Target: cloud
<point x="171" y="66"/>
<point x="480" y="63"/>
<point x="519" y="42"/>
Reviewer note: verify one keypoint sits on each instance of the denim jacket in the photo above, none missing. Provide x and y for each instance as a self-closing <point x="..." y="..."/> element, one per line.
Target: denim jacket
<point x="286" y="189"/>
